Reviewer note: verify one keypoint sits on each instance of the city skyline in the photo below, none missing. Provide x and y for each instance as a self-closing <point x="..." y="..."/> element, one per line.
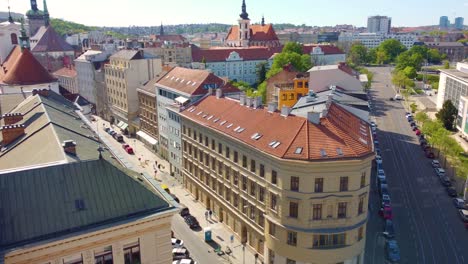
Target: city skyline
<point x="149" y="13"/>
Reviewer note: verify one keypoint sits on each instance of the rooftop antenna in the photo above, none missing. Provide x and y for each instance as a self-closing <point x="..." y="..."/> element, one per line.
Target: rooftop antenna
<point x="10" y="18"/>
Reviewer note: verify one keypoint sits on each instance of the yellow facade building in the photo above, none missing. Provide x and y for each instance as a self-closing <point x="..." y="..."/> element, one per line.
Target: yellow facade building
<point x="293" y="189"/>
<point x="287" y="94"/>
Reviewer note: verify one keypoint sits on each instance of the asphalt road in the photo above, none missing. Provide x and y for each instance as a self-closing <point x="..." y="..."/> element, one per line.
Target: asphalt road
<point x="428" y="228"/>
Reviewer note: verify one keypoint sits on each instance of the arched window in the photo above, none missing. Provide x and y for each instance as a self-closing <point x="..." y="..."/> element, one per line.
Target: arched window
<point x="14" y="39"/>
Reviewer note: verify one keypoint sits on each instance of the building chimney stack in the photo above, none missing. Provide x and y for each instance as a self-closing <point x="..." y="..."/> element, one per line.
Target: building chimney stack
<point x="285" y="111"/>
<point x="257" y="102"/>
<point x="242" y="99"/>
<point x="219" y="93"/>
<point x="11" y="132"/>
<point x="248" y="101"/>
<point x="12" y="118"/>
<point x="271" y="107"/>
<point x="69" y="146"/>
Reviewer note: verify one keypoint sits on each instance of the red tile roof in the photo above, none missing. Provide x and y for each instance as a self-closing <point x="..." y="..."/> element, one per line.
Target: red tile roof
<point x="221" y="54"/>
<point x="326" y="49"/>
<point x="193" y="82"/>
<point x="172" y="38"/>
<point x="48" y="40"/>
<point x="67" y="71"/>
<point x="257" y="33"/>
<point x="21" y="68"/>
<point x="337" y="136"/>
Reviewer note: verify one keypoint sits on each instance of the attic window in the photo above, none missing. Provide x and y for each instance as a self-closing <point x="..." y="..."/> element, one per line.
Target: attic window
<point x="205" y="115"/>
<point x="188" y="82"/>
<point x="222" y="123"/>
<point x="177" y="79"/>
<point x="237" y="128"/>
<point x="193" y="84"/>
<point x="276" y="144"/>
<point x="216" y="120"/>
<point x="230" y="125"/>
<point x="272" y="143"/>
<point x="167" y="76"/>
<point x="256" y="136"/>
<point x="298" y="150"/>
<point x="339" y="151"/>
<point x="240" y="130"/>
<point x="323" y="153"/>
<point x="192" y="110"/>
<point x="199" y="113"/>
<point x="209" y="118"/>
<point x="172" y="78"/>
<point x="79" y="204"/>
<point x="363" y="140"/>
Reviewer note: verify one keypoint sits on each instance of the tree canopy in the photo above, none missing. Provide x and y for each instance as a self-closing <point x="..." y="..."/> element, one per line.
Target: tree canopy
<point x="358" y="54"/>
<point x="447" y="115"/>
<point x="292" y="47"/>
<point x="390" y="49"/>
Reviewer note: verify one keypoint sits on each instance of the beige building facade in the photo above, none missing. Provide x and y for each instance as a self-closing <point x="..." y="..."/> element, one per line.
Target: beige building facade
<point x="289" y="210"/>
<point x="128" y="70"/>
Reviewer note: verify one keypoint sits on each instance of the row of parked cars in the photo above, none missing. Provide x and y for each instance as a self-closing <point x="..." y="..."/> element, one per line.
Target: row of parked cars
<point x="391" y="246"/>
<point x="119" y="138"/>
<point x="180" y="254"/>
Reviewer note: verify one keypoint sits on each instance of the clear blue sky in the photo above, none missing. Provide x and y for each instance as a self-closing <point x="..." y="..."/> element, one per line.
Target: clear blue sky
<point x="310" y="12"/>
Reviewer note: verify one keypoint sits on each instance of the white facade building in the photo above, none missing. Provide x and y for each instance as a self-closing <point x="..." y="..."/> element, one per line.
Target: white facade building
<point x="373" y="40"/>
<point x="9" y="36"/>
<point x="453" y="84"/>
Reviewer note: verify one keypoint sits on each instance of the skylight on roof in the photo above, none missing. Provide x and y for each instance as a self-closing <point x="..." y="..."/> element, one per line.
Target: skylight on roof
<point x="176" y="79"/>
<point x="205" y="115"/>
<point x="167" y="76"/>
<point x="188" y="82"/>
<point x="237" y="128"/>
<point x="192" y="110"/>
<point x="256" y="136"/>
<point x="276" y="144"/>
<point x="298" y="150"/>
<point x="230" y="125"/>
<point x="363" y="140"/>
<point x="199" y="113"/>
<point x="216" y="120"/>
<point x="240" y="130"/>
<point x="209" y="118"/>
<point x="339" y="151"/>
<point x="193" y="84"/>
<point x="222" y="123"/>
<point x="272" y="143"/>
<point x="323" y="153"/>
<point x="172" y="78"/>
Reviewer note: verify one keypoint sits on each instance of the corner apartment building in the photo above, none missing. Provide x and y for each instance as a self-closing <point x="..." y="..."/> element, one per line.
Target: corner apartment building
<point x="453" y="84"/>
<point x="177" y="89"/>
<point x="127" y="70"/>
<point x="67" y="79"/>
<point x="293" y="189"/>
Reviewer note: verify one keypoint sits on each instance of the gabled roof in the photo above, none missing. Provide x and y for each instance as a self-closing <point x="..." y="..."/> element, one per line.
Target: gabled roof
<point x="67" y="71"/>
<point x="193" y="82"/>
<point x="48" y="40"/>
<point x="22" y="68"/>
<point x="221" y="54"/>
<point x="326" y="49"/>
<point x="172" y="38"/>
<point x="150" y="86"/>
<point x="128" y="55"/>
<point x="50" y="202"/>
<point x="257" y="33"/>
<point x="338" y="132"/>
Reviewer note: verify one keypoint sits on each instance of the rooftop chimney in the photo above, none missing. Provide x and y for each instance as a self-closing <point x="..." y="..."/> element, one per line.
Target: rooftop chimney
<point x="11" y="132"/>
<point x="12" y="118"/>
<point x="257" y="102"/>
<point x="219" y="93"/>
<point x="248" y="101"/>
<point x="272" y="107"/>
<point x="69" y="146"/>
<point x="313" y="117"/>
<point x="242" y="99"/>
<point x="41" y="92"/>
<point x="285" y="110"/>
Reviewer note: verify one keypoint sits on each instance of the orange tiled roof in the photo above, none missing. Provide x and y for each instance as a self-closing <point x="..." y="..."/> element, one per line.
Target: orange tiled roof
<point x="21" y="68"/>
<point x="193" y="82"/>
<point x="257" y="33"/>
<point x="66" y="72"/>
<point x="337" y="136"/>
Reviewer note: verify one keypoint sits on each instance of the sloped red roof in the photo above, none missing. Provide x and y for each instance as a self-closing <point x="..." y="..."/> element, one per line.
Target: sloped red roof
<point x="172" y="38"/>
<point x="221" y="54"/>
<point x="193" y="82"/>
<point x="327" y="49"/>
<point x="337" y="135"/>
<point x="257" y="33"/>
<point x="68" y="71"/>
<point x="49" y="40"/>
<point x="21" y="68"/>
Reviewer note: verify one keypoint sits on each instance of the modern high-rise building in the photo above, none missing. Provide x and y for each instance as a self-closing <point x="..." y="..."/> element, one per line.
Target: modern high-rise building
<point x="379" y="24"/>
<point x="444" y="22"/>
<point x="459" y="23"/>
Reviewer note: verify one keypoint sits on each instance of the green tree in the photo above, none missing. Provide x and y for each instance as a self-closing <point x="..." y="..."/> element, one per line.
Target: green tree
<point x="357" y="54"/>
<point x="434" y="56"/>
<point x="262" y="69"/>
<point x="410" y="72"/>
<point x="392" y="48"/>
<point x="414" y="107"/>
<point x="381" y="57"/>
<point x="446" y="64"/>
<point x="421" y="117"/>
<point x="243" y="86"/>
<point x="447" y="114"/>
<point x="292" y="47"/>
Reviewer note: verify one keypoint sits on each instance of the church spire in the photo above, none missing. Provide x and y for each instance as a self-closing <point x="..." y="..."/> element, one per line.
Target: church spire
<point x="34" y="5"/>
<point x="263" y="21"/>
<point x="46" y="15"/>
<point x="161" y="29"/>
<point x="244" y="14"/>
<point x="24" y="39"/>
<point x="10" y="18"/>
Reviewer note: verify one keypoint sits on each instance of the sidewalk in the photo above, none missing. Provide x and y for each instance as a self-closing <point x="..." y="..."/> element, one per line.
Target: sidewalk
<point x="144" y="161"/>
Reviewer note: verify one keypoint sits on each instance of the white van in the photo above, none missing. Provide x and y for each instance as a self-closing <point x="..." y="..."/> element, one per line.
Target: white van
<point x="398" y="97"/>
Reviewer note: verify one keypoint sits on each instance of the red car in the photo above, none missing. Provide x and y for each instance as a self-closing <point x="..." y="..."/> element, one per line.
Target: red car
<point x="418" y="132"/>
<point x="386" y="212"/>
<point x="127" y="148"/>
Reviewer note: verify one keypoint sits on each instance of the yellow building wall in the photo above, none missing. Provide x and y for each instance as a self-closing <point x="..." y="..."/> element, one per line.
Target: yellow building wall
<point x="289" y="97"/>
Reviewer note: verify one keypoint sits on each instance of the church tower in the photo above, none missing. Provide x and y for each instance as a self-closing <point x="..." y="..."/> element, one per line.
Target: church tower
<point x="244" y="27"/>
<point x="35" y="18"/>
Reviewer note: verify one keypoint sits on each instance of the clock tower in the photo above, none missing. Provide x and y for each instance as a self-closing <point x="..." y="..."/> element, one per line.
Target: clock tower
<point x="35" y="18"/>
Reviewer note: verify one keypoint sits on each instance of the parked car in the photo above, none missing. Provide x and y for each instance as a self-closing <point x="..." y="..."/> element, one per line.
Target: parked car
<point x="107" y="129"/>
<point x="175" y="198"/>
<point x="412" y="124"/>
<point x="118" y="137"/>
<point x="381" y="176"/>
<point x="378" y="159"/>
<point x="373" y="124"/>
<point x="184" y="212"/>
<point x="463" y="214"/>
<point x="389" y="230"/>
<point x="386" y="199"/>
<point x="417" y="132"/>
<point x="435" y="164"/>
<point x="177" y="243"/>
<point x="415" y="128"/>
<point x="180" y="253"/>
<point x="451" y="191"/>
<point x="445" y="180"/>
<point x="127" y="148"/>
<point x="459" y="203"/>
<point x="383" y="189"/>
<point x="191" y="221"/>
<point x="392" y="250"/>
<point x="439" y="171"/>
<point x="184" y="261"/>
<point x="430" y="155"/>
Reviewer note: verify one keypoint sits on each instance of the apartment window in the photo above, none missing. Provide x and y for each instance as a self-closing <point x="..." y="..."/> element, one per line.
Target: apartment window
<point x="244" y="206"/>
<point x="185" y="146"/>
<point x="262" y="170"/>
<point x="235" y="178"/>
<point x="207" y="160"/>
<point x="271" y="228"/>
<point x="190" y="150"/>
<point x="200" y="138"/>
<point x="292" y="238"/>
<point x="236" y="158"/>
<point x="213" y="184"/>
<point x="333" y="240"/>
<point x="290" y="261"/>
<point x="132" y="253"/>
<point x="220" y="189"/>
<point x="228" y="194"/>
<point x="103" y="256"/>
<point x="361" y="205"/>
<point x="220" y="148"/>
<point x="273" y="202"/>
<point x="294" y="183"/>
<point x="252" y="212"/>
<point x="201" y="155"/>
<point x="244" y="161"/>
<point x="228" y="153"/>
<point x="261" y="194"/>
<point x="213" y="163"/>
<point x="252" y="166"/>
<point x="244" y="183"/>
<point x="76" y="259"/>
<point x="213" y="146"/>
<point x="195" y="152"/>
<point x="253" y="188"/>
<point x="195" y="135"/>
<point x="316" y="211"/>
<point x="274" y="177"/>
<point x="319" y="185"/>
<point x="344" y="184"/>
<point x="293" y="209"/>
<point x="363" y="179"/>
<point x="261" y="219"/>
<point x="206" y="141"/>
<point x="360" y="233"/>
<point x="184" y="129"/>
<point x="271" y="256"/>
<point x="220" y="168"/>
<point x="342" y="210"/>
<point x="227" y="171"/>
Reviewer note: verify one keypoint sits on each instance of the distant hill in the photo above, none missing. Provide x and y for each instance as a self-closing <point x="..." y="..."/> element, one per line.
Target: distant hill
<point x="4" y="16"/>
<point x="66" y="27"/>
